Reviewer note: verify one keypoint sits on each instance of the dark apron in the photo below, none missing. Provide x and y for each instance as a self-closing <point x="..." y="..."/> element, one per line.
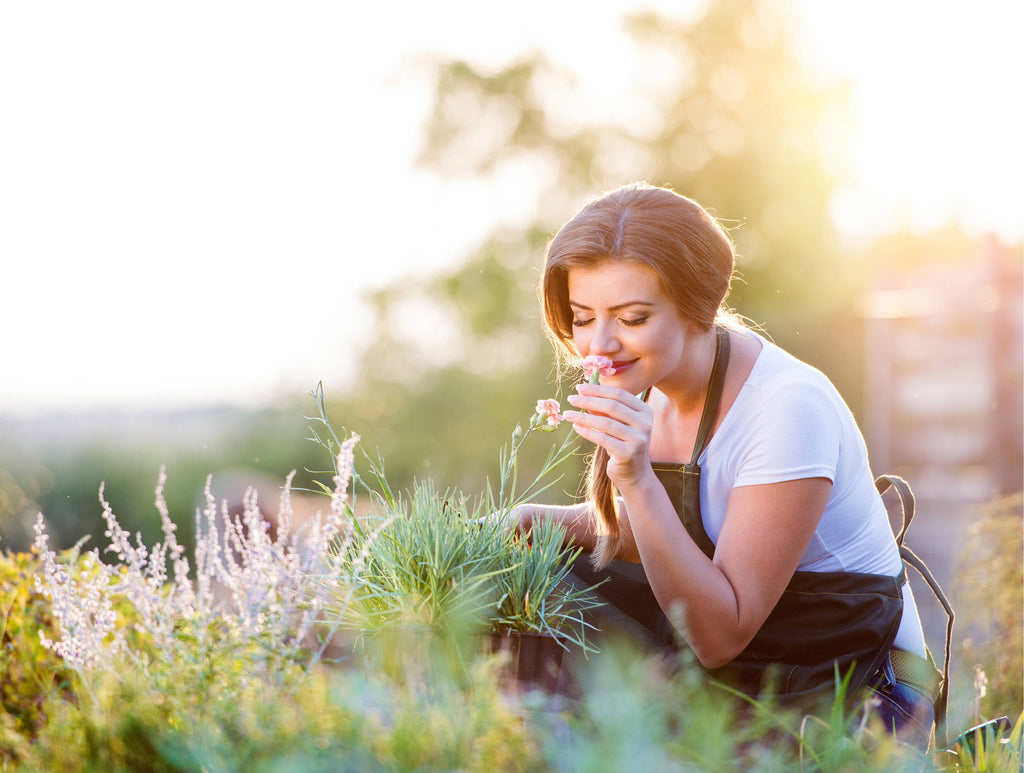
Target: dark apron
<point x="823" y="621"/>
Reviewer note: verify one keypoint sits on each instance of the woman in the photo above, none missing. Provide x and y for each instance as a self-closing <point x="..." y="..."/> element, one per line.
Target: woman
<point x="743" y="486"/>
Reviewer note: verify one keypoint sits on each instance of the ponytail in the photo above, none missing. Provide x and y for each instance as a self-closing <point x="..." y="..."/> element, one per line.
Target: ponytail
<point x="606" y="516"/>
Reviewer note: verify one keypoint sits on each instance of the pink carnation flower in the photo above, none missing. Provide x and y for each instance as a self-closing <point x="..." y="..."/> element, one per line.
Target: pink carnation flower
<point x="548" y="410"/>
<point x="594" y="365"/>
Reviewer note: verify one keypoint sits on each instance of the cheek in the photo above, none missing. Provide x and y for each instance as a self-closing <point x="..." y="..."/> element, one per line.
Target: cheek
<point x="580" y="339"/>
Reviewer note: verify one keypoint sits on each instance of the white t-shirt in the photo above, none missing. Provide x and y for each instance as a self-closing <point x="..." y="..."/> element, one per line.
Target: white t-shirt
<point x="788" y="423"/>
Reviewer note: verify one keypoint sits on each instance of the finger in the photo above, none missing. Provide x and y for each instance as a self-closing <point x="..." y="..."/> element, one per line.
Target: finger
<point x="596" y="422"/>
<point x="602" y="406"/>
<point x="616" y="448"/>
<point x="640" y="421"/>
<point x="620" y="441"/>
<point x="612" y="393"/>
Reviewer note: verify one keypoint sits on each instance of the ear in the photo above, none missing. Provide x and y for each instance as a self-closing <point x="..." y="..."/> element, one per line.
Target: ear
<point x="691" y="326"/>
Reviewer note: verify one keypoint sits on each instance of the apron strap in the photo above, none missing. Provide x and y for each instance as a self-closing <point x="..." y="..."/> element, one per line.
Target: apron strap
<point x="682" y="481"/>
<point x="906" y="498"/>
<point x="942" y="699"/>
<point x="714" y="396"/>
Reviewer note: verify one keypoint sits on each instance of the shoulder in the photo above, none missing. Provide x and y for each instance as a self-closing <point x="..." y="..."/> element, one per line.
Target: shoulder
<point x="779" y="379"/>
<point x="789" y="420"/>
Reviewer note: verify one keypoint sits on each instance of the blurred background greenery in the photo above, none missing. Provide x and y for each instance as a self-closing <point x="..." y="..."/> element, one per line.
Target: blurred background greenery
<point x="454" y="360"/>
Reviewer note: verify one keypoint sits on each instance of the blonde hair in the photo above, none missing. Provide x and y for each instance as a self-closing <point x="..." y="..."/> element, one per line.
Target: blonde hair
<point x="688" y="250"/>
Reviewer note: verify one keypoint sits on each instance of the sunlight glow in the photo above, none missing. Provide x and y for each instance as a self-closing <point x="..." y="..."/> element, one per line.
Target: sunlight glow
<point x="195" y="197"/>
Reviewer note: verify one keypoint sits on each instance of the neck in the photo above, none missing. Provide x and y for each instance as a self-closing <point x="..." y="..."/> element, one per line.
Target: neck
<point x="688" y="388"/>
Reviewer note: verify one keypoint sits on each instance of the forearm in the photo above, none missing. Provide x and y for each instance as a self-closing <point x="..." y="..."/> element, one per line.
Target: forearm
<point x="721" y="604"/>
<point x="576" y="520"/>
<point x="691" y="589"/>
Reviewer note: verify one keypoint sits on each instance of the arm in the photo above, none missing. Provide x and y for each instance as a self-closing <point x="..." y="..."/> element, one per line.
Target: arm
<point x="720" y="604"/>
<point x="575" y="519"/>
<point x="578" y="522"/>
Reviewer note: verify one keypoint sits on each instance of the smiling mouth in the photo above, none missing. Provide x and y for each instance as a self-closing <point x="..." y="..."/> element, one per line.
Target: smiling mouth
<point x="621" y="365"/>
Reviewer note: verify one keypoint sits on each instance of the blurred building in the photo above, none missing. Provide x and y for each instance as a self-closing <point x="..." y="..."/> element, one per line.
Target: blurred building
<point x="943" y="399"/>
<point x="943" y="403"/>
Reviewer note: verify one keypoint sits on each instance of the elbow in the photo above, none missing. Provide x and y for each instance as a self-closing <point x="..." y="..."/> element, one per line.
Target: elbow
<point x="715" y="658"/>
<point x="717" y="651"/>
<point x="716" y="639"/>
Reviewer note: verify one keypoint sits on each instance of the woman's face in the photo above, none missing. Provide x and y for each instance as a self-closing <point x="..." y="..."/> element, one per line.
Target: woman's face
<point x="620" y="311"/>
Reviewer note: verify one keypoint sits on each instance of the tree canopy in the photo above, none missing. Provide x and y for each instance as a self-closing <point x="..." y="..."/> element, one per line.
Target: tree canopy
<point x="732" y="119"/>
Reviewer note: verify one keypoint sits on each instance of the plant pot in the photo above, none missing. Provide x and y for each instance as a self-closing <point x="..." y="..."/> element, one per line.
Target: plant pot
<point x="533" y="661"/>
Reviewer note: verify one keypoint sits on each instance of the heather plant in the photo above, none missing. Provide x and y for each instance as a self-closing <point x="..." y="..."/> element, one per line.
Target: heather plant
<point x="28" y="671"/>
<point x="246" y="613"/>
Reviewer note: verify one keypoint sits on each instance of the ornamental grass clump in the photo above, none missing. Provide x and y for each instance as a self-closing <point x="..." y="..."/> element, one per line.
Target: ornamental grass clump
<point x="427" y="563"/>
<point x="443" y="563"/>
<point x="537" y="594"/>
<point x="436" y="564"/>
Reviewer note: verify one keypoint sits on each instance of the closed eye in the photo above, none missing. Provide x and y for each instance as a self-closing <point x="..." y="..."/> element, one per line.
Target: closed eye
<point x="582" y="322"/>
<point x="633" y="322"/>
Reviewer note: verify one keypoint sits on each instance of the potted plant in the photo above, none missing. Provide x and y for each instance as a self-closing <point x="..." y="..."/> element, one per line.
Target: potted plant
<point x="434" y="574"/>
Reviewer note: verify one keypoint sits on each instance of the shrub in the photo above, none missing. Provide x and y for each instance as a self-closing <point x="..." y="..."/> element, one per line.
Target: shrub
<point x="28" y="671"/>
<point x="990" y="606"/>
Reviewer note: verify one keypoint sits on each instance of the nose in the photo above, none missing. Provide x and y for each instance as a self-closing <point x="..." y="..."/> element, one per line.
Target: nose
<point x="604" y="341"/>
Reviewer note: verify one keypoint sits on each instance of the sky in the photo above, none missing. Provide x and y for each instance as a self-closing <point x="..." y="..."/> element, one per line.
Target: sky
<point x="196" y="197"/>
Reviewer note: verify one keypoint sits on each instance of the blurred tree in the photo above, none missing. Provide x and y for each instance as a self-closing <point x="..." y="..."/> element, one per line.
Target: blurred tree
<point x="729" y="117"/>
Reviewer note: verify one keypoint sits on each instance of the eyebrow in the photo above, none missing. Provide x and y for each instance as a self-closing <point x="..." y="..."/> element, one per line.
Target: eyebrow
<point x="616" y="307"/>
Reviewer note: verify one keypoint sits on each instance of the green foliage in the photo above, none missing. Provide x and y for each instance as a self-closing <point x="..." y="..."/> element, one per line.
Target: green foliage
<point x="436" y="565"/>
<point x="989" y="601"/>
<point x="337" y="721"/>
<point x="655" y="713"/>
<point x="443" y="564"/>
<point x="28" y="671"/>
<point x="429" y="564"/>
<point x="420" y="704"/>
<point x="988" y="750"/>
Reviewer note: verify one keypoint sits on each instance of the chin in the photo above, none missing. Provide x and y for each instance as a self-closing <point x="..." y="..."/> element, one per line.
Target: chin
<point x="627" y="382"/>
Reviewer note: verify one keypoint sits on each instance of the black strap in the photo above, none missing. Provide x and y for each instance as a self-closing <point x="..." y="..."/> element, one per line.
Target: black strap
<point x="942" y="699"/>
<point x="714" y="396"/>
<point x="906" y="499"/>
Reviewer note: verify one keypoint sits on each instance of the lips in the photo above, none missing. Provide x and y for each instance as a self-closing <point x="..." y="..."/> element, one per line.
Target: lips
<point x="621" y="366"/>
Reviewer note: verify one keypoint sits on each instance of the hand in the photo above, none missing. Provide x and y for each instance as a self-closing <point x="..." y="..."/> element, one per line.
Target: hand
<point x="519" y="519"/>
<point x="618" y="422"/>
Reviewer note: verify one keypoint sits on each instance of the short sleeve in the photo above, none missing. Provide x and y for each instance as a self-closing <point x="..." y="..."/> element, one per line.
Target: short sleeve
<point x="795" y="433"/>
